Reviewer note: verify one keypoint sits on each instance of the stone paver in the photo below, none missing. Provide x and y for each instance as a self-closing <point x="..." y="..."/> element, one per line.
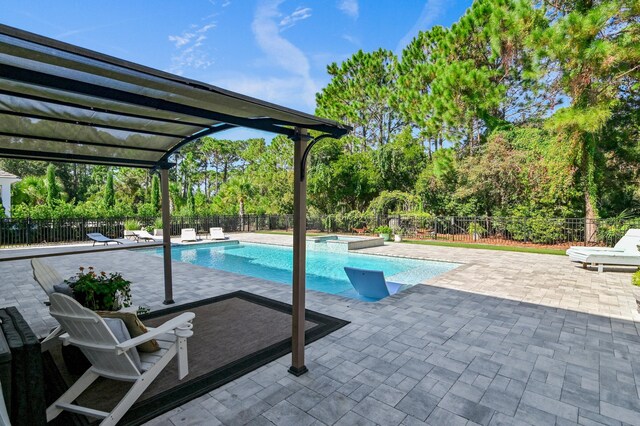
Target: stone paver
<point x="505" y="339"/>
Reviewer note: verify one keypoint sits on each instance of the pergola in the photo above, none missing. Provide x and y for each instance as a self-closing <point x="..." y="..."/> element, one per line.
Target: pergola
<point x="60" y="102"/>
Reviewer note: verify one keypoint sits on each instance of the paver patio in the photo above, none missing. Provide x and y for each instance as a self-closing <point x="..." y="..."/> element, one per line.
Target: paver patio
<point x="507" y="338"/>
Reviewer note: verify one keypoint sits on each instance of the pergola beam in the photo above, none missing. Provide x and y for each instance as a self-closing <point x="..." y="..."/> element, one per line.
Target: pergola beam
<point x="97" y="91"/>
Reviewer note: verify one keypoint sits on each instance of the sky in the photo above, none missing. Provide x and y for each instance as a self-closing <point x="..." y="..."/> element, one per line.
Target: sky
<point x="274" y="50"/>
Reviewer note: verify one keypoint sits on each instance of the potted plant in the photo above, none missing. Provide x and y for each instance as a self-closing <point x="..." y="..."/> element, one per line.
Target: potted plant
<point x="384" y="232"/>
<point x="100" y="291"/>
<point x="476" y="230"/>
<point x="398" y="232"/>
<point x="130" y="225"/>
<point x="157" y="227"/>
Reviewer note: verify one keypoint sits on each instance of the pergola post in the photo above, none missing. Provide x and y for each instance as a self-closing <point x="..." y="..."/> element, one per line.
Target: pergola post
<point x="299" y="253"/>
<point x="166" y="236"/>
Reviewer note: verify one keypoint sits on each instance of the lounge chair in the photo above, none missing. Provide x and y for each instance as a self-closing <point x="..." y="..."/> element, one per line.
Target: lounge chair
<point x="624" y="253"/>
<point x="113" y="355"/>
<point x="599" y="258"/>
<point x="371" y="284"/>
<point x="188" y="234"/>
<point x="630" y="240"/>
<point x="97" y="237"/>
<point x="144" y="235"/>
<point x="216" y="234"/>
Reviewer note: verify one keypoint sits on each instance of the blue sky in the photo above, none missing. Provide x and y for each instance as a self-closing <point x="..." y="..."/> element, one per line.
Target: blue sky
<point x="276" y="50"/>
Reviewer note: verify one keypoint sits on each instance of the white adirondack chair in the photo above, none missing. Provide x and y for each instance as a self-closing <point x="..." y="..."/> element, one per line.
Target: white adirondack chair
<point x="45" y="275"/>
<point x="111" y="359"/>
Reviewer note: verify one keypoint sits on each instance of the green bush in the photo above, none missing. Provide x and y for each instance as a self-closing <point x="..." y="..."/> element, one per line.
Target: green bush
<point x="536" y="230"/>
<point x="383" y="230"/>
<point x="635" y="278"/>
<point x="131" y="225"/>
<point x="476" y="228"/>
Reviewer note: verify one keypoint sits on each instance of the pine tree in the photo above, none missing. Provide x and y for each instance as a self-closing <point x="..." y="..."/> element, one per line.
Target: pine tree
<point x="191" y="201"/>
<point x="594" y="49"/>
<point x="155" y="192"/>
<point x="53" y="192"/>
<point x="109" y="192"/>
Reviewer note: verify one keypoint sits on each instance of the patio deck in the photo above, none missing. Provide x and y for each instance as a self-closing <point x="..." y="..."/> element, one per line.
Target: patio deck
<point x="508" y="338"/>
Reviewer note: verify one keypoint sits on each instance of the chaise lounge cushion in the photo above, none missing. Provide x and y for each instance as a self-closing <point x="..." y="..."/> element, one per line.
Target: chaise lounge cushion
<point x="134" y="326"/>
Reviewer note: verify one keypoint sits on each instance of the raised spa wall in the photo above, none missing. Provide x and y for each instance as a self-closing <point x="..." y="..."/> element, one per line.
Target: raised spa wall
<point x="335" y="243"/>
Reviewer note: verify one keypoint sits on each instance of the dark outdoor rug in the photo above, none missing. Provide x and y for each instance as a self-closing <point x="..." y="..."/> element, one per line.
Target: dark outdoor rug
<point x="233" y="334"/>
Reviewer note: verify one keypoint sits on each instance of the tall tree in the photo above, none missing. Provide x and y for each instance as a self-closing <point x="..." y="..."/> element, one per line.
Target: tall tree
<point x="359" y="95"/>
<point x="594" y="52"/>
<point x="109" y="192"/>
<point x="459" y="84"/>
<point x="53" y="191"/>
<point x="155" y="192"/>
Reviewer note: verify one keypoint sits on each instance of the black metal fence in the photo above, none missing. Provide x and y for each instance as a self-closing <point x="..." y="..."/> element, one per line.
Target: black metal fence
<point x="489" y="230"/>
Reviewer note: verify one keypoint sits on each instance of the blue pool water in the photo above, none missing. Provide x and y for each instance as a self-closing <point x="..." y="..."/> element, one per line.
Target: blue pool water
<point x="324" y="270"/>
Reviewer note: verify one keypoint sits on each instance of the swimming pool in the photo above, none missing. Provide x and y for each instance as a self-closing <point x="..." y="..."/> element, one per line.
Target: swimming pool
<point x="325" y="271"/>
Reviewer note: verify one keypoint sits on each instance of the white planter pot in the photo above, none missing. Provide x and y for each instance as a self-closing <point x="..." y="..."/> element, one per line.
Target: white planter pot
<point x="157" y="232"/>
<point x="386" y="237"/>
<point x="397" y="238"/>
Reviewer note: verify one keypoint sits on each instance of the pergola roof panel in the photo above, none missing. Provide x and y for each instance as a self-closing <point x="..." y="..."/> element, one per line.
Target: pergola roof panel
<point x="78" y="105"/>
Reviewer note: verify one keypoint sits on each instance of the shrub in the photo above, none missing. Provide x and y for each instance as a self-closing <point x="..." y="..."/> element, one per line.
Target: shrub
<point x="157" y="224"/>
<point x="635" y="278"/>
<point x="476" y="229"/>
<point x="131" y="225"/>
<point x="383" y="230"/>
<point x="536" y="230"/>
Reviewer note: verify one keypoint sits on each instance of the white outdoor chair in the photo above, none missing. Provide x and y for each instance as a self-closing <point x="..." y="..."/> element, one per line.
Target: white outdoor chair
<point x="113" y="359"/>
<point x="188" y="234"/>
<point x="46" y="276"/>
<point x="216" y="234"/>
<point x="144" y="235"/>
<point x="624" y="253"/>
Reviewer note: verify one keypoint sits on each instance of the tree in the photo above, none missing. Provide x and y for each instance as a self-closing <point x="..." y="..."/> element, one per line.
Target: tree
<point x="191" y="202"/>
<point x="155" y="192"/>
<point x="594" y="53"/>
<point x="359" y="95"/>
<point x="460" y="83"/>
<point x="399" y="162"/>
<point x="53" y="191"/>
<point x="109" y="192"/>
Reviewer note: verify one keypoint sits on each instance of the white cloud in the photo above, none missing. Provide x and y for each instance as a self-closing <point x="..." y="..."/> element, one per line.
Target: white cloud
<point x="351" y="39"/>
<point x="298" y="15"/>
<point x="189" y="54"/>
<point x="293" y="91"/>
<point x="431" y="11"/>
<point x="349" y="7"/>
<point x="282" y="53"/>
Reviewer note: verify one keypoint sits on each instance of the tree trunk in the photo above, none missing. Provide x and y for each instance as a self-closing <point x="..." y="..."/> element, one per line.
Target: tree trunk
<point x="588" y="168"/>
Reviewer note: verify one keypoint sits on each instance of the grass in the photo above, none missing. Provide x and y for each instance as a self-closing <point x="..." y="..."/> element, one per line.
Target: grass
<point x="559" y="252"/>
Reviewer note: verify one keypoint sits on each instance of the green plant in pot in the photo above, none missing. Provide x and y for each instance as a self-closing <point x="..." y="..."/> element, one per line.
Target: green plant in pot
<point x="384" y="232"/>
<point x="398" y="232"/>
<point x="131" y="225"/>
<point x="100" y="291"/>
<point x="157" y="227"/>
